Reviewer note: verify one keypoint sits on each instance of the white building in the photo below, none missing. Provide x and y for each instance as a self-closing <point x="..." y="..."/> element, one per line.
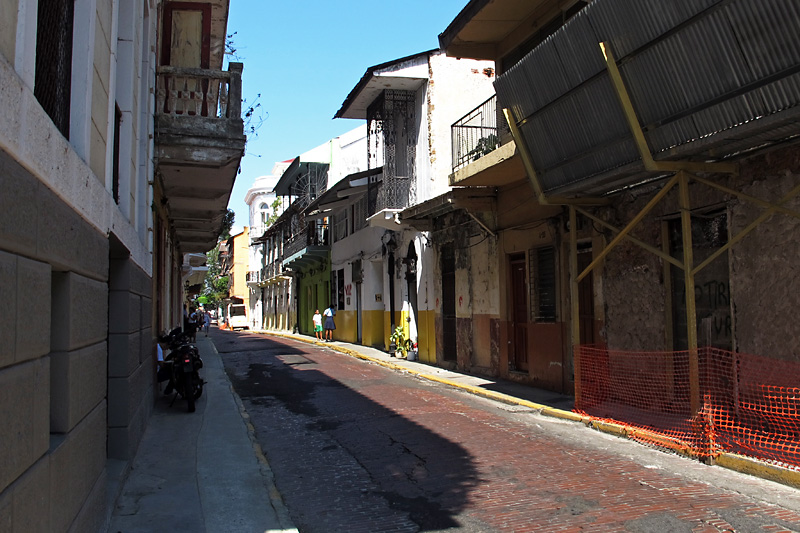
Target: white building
<point x="259" y="199"/>
<point x="384" y="264"/>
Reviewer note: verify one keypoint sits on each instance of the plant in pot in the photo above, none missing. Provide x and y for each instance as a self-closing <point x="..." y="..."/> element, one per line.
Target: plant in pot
<point x="402" y="343"/>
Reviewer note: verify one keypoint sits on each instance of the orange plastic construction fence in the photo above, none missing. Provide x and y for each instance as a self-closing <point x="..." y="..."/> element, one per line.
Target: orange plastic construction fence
<point x="749" y="404"/>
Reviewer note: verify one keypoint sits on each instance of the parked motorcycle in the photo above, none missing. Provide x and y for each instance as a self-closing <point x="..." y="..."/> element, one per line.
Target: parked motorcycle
<point x="184" y="363"/>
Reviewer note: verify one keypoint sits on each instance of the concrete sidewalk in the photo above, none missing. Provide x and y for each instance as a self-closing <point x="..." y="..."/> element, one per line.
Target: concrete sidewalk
<point x="200" y="471"/>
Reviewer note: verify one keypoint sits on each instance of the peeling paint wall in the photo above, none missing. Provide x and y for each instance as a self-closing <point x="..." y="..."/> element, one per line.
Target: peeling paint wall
<point x="764" y="285"/>
<point x="456" y="86"/>
<point x="765" y="265"/>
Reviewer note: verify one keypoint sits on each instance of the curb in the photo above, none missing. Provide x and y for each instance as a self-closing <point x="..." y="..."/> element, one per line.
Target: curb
<point x="275" y="498"/>
<point x="730" y="461"/>
<point x="753" y="467"/>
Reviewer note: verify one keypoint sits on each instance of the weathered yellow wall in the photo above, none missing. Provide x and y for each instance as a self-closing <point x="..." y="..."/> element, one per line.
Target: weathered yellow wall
<point x="241" y="263"/>
<point x="8" y="28"/>
<point x="100" y="91"/>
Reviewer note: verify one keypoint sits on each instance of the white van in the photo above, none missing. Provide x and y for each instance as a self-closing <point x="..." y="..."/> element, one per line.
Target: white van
<point x="237" y="316"/>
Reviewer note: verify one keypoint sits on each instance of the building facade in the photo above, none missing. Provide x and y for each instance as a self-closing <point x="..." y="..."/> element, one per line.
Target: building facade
<point x="297" y="246"/>
<point x="94" y="225"/>
<point x="658" y="187"/>
<point x="384" y="270"/>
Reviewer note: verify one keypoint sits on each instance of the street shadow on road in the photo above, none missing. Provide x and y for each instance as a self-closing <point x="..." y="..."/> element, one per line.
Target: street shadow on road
<point x="342" y="460"/>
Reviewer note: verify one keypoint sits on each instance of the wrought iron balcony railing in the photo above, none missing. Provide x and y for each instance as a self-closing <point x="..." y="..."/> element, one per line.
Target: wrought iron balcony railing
<point x="314" y="234"/>
<point x="476" y="134"/>
<point x="200" y="92"/>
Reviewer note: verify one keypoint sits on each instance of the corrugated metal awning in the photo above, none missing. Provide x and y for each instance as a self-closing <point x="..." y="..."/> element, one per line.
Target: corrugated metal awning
<point x="709" y="80"/>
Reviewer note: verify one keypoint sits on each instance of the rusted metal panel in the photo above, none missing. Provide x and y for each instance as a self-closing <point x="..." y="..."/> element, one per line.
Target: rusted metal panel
<point x="696" y="70"/>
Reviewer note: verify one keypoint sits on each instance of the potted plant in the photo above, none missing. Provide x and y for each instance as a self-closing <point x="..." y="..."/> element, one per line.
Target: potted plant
<point x="402" y="343"/>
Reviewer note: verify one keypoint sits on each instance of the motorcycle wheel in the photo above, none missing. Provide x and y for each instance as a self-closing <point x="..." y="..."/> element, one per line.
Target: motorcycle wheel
<point x="189" y="388"/>
<point x="198" y="386"/>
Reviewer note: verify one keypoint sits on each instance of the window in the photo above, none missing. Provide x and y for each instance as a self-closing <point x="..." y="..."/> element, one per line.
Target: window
<point x="53" y="75"/>
<point x="115" y="167"/>
<point x="340" y="289"/>
<point x="542" y="264"/>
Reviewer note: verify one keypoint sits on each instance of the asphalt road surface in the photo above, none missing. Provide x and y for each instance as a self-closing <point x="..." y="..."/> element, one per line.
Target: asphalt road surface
<point x="356" y="447"/>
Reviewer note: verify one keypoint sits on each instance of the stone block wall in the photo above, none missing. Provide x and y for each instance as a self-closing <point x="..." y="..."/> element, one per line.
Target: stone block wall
<point x="131" y="371"/>
<point x="56" y="356"/>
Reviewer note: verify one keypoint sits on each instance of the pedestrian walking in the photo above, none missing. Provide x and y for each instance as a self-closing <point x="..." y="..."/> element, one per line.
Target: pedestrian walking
<point x="191" y="328"/>
<point x="317" y="318"/>
<point x="330" y="325"/>
<point x="206" y="321"/>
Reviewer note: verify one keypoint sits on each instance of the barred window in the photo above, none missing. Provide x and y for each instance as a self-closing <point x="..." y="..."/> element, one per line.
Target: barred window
<point x="54" y="60"/>
<point x="542" y="264"/>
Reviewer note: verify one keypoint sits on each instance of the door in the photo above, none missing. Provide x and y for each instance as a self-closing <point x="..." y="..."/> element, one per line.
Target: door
<point x="518" y="358"/>
<point x="186" y="43"/>
<point x="186" y="35"/>
<point x="448" y="304"/>
<point x="411" y="286"/>
<point x="359" y="323"/>
<point x="586" y="296"/>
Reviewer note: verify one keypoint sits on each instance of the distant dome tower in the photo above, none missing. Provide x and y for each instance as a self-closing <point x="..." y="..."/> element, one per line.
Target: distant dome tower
<point x="259" y="199"/>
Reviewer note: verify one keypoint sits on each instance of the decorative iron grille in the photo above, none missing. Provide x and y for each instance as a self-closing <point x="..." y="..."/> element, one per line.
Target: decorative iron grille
<point x="391" y="143"/>
<point x="360" y="214"/>
<point x="54" y="60"/>
<point x="310" y="184"/>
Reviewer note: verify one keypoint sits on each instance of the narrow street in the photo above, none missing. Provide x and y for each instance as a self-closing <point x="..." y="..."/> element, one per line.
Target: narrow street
<point x="357" y="447"/>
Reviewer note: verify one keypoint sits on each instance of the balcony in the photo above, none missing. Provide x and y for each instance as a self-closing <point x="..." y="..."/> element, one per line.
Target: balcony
<point x="475" y="134"/>
<point x="483" y="152"/>
<point x="199" y="141"/>
<point x="309" y="247"/>
<point x="253" y="277"/>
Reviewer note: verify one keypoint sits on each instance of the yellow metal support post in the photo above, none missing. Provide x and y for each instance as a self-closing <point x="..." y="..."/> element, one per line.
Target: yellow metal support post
<point x="575" y="329"/>
<point x="691" y="309"/>
<point x="623" y="233"/>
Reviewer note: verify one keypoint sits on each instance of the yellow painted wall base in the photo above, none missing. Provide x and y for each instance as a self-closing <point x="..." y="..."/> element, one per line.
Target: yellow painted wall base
<point x="346" y="326"/>
<point x="426" y="325"/>
<point x="372" y="329"/>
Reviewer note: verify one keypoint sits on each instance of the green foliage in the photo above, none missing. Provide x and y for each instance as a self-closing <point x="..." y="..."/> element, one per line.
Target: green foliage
<point x="215" y="285"/>
<point x="227" y="224"/>
<point x="402" y="343"/>
<point x="484" y="146"/>
<point x="276" y="211"/>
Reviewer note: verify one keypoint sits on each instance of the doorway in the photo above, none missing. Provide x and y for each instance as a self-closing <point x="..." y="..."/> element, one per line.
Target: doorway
<point x="518" y="358"/>
<point x="449" y="304"/>
<point x="411" y="285"/>
<point x="586" y="296"/>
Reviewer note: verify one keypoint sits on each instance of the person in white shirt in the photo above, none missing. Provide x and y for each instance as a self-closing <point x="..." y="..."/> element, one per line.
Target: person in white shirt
<point x="317" y="318"/>
<point x="330" y="325"/>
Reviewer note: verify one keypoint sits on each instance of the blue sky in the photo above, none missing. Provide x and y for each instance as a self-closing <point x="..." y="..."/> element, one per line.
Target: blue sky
<point x="305" y="56"/>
